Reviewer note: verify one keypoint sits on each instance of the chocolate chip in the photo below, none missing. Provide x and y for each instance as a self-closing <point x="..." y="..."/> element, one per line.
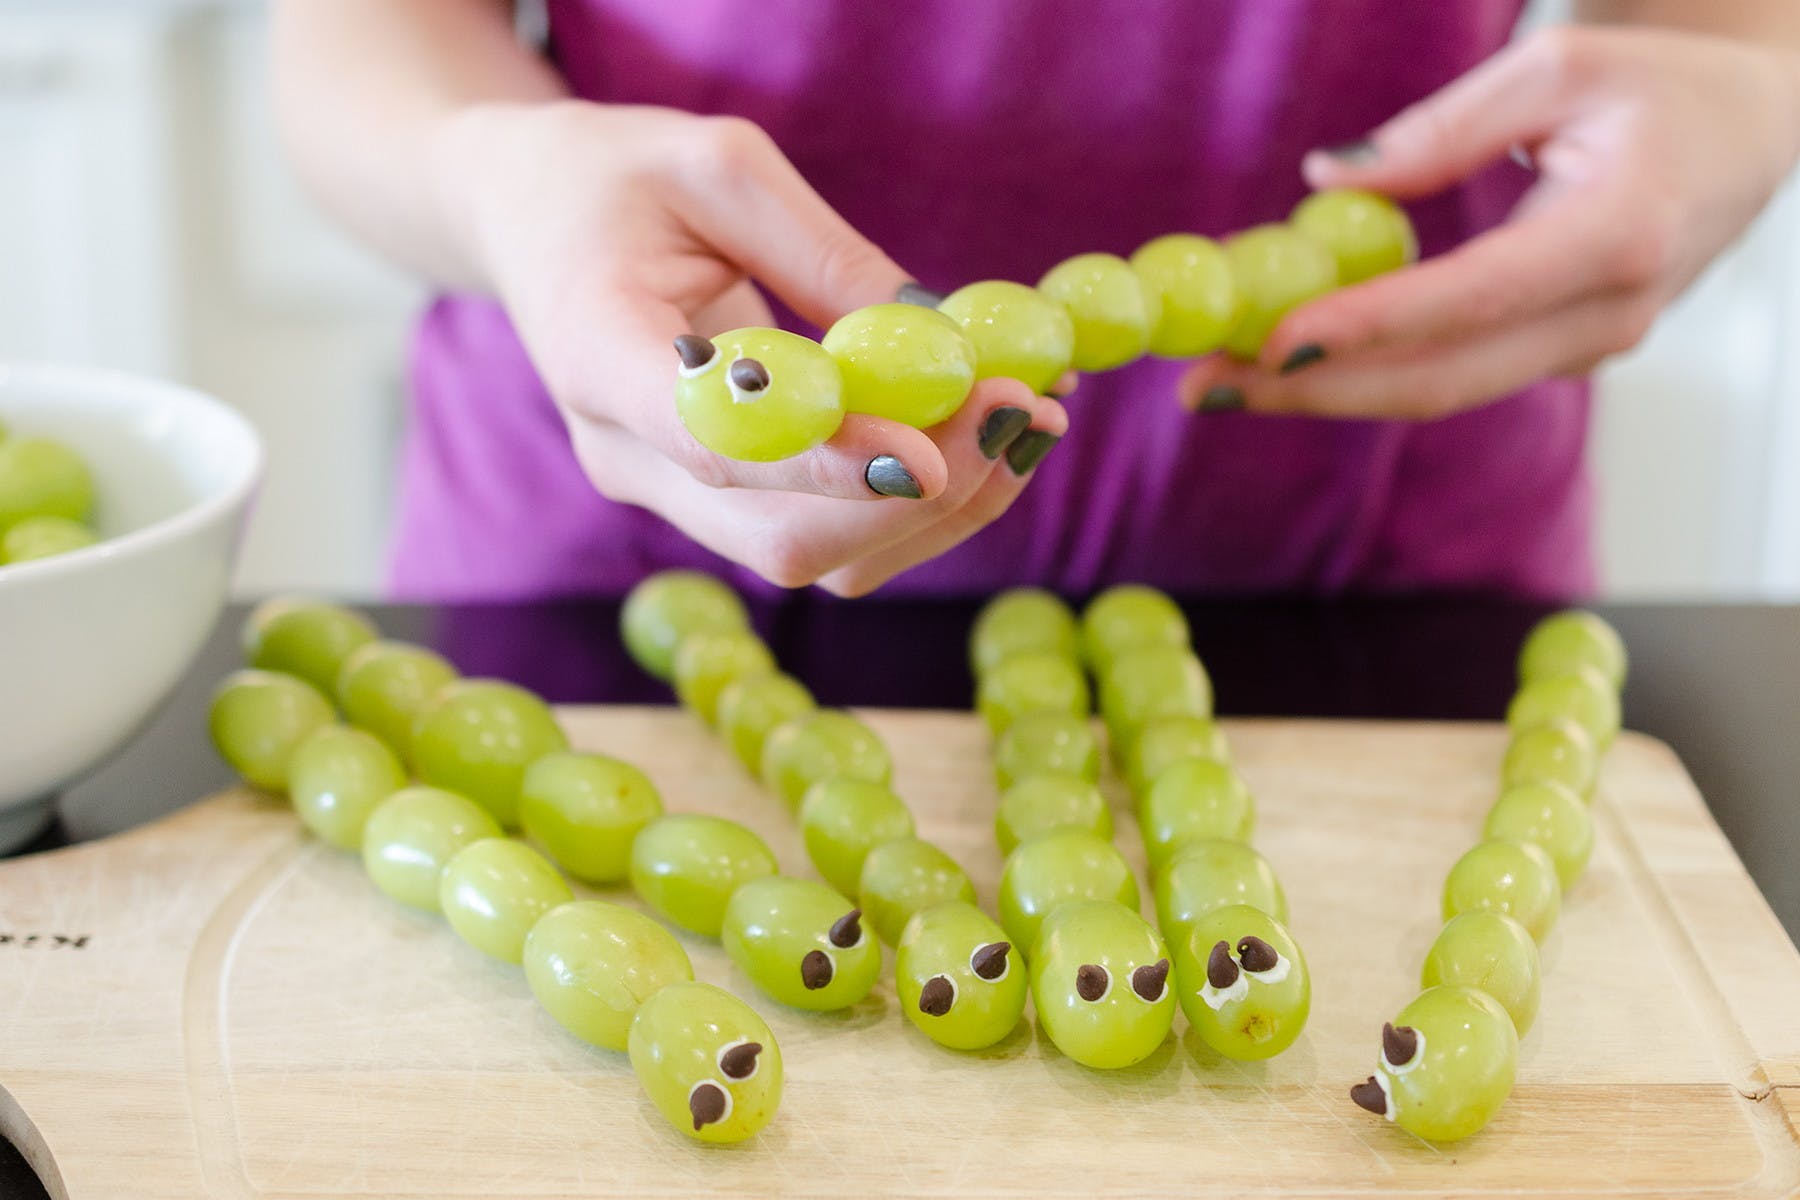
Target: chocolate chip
<point x="1399" y="1044"/>
<point x="816" y="970"/>
<point x="1148" y="981"/>
<point x="707" y="1103"/>
<point x="989" y="961"/>
<point x="695" y="350"/>
<point x="848" y="930"/>
<point x="936" y="997"/>
<point x="1370" y="1096"/>
<point x="1257" y="955"/>
<point x="1090" y="981"/>
<point x="739" y="1062"/>
<point x="749" y="375"/>
<point x="1221" y="968"/>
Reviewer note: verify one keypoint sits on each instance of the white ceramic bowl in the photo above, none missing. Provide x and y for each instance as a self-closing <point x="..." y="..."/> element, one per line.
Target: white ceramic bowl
<point x="92" y="641"/>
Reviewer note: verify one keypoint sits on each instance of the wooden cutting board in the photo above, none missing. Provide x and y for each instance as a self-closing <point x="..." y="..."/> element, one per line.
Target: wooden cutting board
<point x="219" y="1005"/>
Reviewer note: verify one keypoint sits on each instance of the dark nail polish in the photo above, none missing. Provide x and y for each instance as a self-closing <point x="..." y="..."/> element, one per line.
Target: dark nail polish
<point x="887" y="476"/>
<point x="1028" y="450"/>
<point x="1359" y="153"/>
<point x="999" y="428"/>
<point x="1222" y="398"/>
<point x="1303" y="356"/>
<point x="912" y="292"/>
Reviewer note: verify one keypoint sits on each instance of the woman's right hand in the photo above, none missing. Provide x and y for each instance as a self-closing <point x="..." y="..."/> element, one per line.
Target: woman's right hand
<point x="607" y="231"/>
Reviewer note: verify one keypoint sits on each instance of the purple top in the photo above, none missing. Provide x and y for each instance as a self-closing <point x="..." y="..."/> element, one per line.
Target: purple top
<point x="991" y="140"/>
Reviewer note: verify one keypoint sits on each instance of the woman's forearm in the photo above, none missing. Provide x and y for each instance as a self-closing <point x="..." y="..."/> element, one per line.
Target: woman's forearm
<point x="363" y="92"/>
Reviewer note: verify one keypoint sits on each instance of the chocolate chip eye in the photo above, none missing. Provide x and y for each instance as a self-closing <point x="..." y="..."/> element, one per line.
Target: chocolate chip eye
<point x="738" y="1060"/>
<point x="1399" y="1045"/>
<point x="749" y="375"/>
<point x="1091" y="982"/>
<point x="1257" y="955"/>
<point x="1150" y="980"/>
<point x="1369" y="1095"/>
<point x="709" y="1103"/>
<point x="816" y="970"/>
<point x="936" y="997"/>
<point x="695" y="351"/>
<point x="1221" y="968"/>
<point x="989" y="962"/>
<point x="847" y="934"/>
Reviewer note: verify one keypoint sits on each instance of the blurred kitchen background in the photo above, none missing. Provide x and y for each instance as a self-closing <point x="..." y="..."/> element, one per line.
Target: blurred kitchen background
<point x="147" y="222"/>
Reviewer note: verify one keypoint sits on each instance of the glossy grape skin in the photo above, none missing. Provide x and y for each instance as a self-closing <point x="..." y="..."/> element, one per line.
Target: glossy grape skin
<point x="44" y="537"/>
<point x="1367" y="234"/>
<point x="1551" y="817"/>
<point x="1277" y="269"/>
<point x="822" y="745"/>
<point x="476" y="737"/>
<point x="1582" y="696"/>
<point x="585" y="810"/>
<point x="1144" y="684"/>
<point x="1161" y="742"/>
<point x="1199" y="298"/>
<point x="905" y="875"/>
<point x="773" y="925"/>
<point x="1113" y="311"/>
<point x="592" y="965"/>
<point x="1016" y="331"/>
<point x="705" y="663"/>
<point x="412" y="834"/>
<point x="686" y="865"/>
<point x="1569" y="640"/>
<point x="1046" y="743"/>
<point x="1270" y="1014"/>
<point x="1119" y="1028"/>
<point x="1019" y="621"/>
<point x="1464" y="1072"/>
<point x="383" y="686"/>
<point x="1490" y="951"/>
<point x="664" y="608"/>
<point x="1047" y="802"/>
<point x="1048" y="872"/>
<point x="675" y="1043"/>
<point x="751" y="706"/>
<point x="1029" y="683"/>
<point x="337" y="777"/>
<point x="41" y="477"/>
<point x="1194" y="798"/>
<point x="842" y="819"/>
<point x="256" y="720"/>
<point x="942" y="941"/>
<point x="1208" y="873"/>
<point x="304" y="638"/>
<point x="1515" y="878"/>
<point x="802" y="406"/>
<point x="1557" y="752"/>
<point x="493" y="891"/>
<point x="1129" y="616"/>
<point x="901" y="361"/>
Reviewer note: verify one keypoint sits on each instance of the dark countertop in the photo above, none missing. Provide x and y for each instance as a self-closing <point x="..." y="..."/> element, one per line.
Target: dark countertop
<point x="1718" y="683"/>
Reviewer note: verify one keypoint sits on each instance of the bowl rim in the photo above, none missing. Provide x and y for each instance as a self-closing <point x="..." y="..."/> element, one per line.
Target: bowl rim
<point x="171" y="528"/>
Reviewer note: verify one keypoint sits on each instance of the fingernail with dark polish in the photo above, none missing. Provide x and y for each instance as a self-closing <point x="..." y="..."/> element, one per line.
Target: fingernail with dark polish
<point x="1028" y="450"/>
<point x="1222" y="398"/>
<point x="999" y="428"/>
<point x="912" y="292"/>
<point x="1359" y="153"/>
<point x="1303" y="356"/>
<point x="887" y="476"/>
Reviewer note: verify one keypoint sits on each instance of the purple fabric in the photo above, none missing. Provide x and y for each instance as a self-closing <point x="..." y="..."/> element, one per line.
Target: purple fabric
<point x="989" y="140"/>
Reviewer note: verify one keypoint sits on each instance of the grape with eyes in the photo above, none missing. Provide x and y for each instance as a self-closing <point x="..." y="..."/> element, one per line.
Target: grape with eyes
<point x="1367" y="234"/>
<point x="685" y="866"/>
<point x="825" y="744"/>
<point x="1100" y="984"/>
<point x="751" y="706"/>
<point x="758" y="395"/>
<point x="801" y="943"/>
<point x="665" y="608"/>
<point x="1017" y="331"/>
<point x="1129" y="616"/>
<point x="337" y="777"/>
<point x="1047" y="872"/>
<point x="1277" y="268"/>
<point x="1030" y="683"/>
<point x="1040" y="743"/>
<point x="258" y="718"/>
<point x="842" y="819"/>
<point x="1492" y="952"/>
<point x="476" y="737"/>
<point x="959" y="980"/>
<point x="1113" y="310"/>
<point x="1551" y="817"/>
<point x="903" y="876"/>
<point x="901" y="361"/>
<point x="585" y="810"/>
<point x="1569" y="640"/>
<point x="1194" y="798"/>
<point x="411" y="836"/>
<point x="383" y="686"/>
<point x="1199" y="298"/>
<point x="304" y="638"/>
<point x="1018" y="621"/>
<point x="1209" y="873"/>
<point x="493" y="891"/>
<point x="591" y="965"/>
<point x="1446" y="1066"/>
<point x="1243" y="982"/>
<point x="1514" y="878"/>
<point x="707" y="1061"/>
<point x="706" y="663"/>
<point x="1048" y="802"/>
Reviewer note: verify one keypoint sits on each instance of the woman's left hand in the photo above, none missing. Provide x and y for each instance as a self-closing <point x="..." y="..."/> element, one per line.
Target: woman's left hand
<point x="1654" y="149"/>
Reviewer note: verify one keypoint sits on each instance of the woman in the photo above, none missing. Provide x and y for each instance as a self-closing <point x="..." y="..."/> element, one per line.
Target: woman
<point x="1424" y="430"/>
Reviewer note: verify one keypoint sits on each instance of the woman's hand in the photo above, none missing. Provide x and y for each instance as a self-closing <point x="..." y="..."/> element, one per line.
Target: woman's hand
<point x="1654" y="150"/>
<point x="607" y="231"/>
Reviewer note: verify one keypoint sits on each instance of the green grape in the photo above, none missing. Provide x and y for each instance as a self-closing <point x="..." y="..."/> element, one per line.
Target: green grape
<point x="1566" y="641"/>
<point x="1017" y="332"/>
<point x="1047" y="802"/>
<point x="685" y="867"/>
<point x="1582" y="696"/>
<point x="903" y="362"/>
<point x="592" y="965"/>
<point x="1199" y="298"/>
<point x="1557" y="752"/>
<point x="1367" y="234"/>
<point x="1021" y="621"/>
<point x="44" y="537"/>
<point x="706" y="663"/>
<point x="902" y="876"/>
<point x="585" y="810"/>
<point x="1277" y="269"/>
<point x="753" y="705"/>
<point x="958" y="978"/>
<point x="664" y="608"/>
<point x="258" y="718"/>
<point x="1129" y="616"/>
<point x="304" y="638"/>
<point x="336" y="778"/>
<point x="1492" y="952"/>
<point x="1113" y="311"/>
<point x="1100" y="983"/>
<point x="477" y="736"/>
<point x="758" y="395"/>
<point x="1209" y="873"/>
<point x="494" y="890"/>
<point x="707" y="1061"/>
<point x="413" y="833"/>
<point x="40" y="477"/>
<point x="383" y="687"/>
<point x="821" y="745"/>
<point x="1194" y="798"/>
<point x="1551" y="817"/>
<point x="1446" y="1065"/>
<point x="801" y="943"/>
<point x="1515" y="878"/>
<point x="1047" y="743"/>
<point x="1060" y="868"/>
<point x="1154" y="681"/>
<point x="1161" y="742"/>
<point x="1029" y="683"/>
<point x="842" y="819"/>
<point x="1243" y="982"/>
